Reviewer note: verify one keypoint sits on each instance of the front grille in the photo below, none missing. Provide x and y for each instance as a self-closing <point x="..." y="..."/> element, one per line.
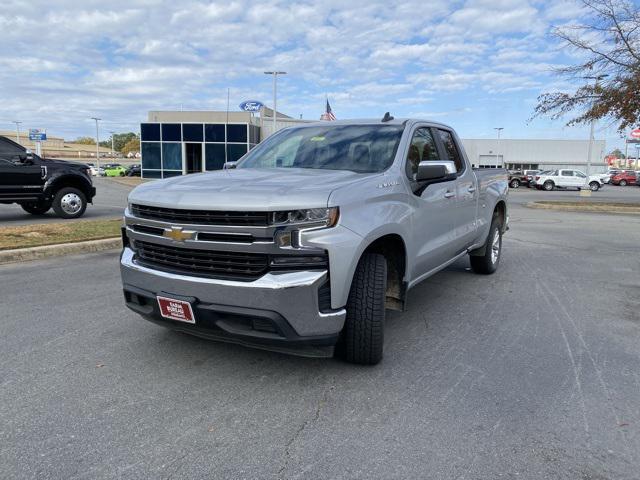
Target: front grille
<point x="201" y="217"/>
<point x="205" y="263"/>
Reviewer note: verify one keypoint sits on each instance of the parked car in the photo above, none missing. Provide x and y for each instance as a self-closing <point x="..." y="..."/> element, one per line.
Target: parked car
<point x="567" y="178"/>
<point x="624" y="178"/>
<point x="115" y="171"/>
<point x="517" y="178"/>
<point x="532" y="180"/>
<point x="133" y="171"/>
<point x="39" y="184"/>
<point x="529" y="175"/>
<point x="302" y="244"/>
<point x="95" y="171"/>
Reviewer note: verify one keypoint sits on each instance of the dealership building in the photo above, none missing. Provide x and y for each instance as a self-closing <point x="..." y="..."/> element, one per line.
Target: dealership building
<point x="177" y="143"/>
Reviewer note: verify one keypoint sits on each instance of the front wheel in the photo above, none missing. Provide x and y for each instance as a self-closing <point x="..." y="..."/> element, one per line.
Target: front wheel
<point x="623" y="183"/>
<point x="363" y="333"/>
<point x="594" y="186"/>
<point x="36" y="208"/>
<point x="69" y="203"/>
<point x="488" y="263"/>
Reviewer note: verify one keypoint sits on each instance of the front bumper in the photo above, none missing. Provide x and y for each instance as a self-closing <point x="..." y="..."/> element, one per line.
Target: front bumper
<point x="279" y="311"/>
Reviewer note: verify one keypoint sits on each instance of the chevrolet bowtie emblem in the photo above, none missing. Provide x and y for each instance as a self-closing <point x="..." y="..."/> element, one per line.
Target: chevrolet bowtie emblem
<point x="178" y="234"/>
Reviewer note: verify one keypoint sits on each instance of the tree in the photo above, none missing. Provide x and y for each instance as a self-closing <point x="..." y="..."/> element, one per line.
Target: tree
<point x="617" y="153"/>
<point x="132" y="145"/>
<point x="610" y="46"/>
<point x="85" y="141"/>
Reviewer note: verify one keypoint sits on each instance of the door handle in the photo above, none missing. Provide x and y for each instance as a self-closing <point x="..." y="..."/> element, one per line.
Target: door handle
<point x="471" y="189"/>
<point x="449" y="195"/>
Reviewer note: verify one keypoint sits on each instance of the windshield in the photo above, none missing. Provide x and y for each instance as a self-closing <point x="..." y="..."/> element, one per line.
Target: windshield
<point x="359" y="148"/>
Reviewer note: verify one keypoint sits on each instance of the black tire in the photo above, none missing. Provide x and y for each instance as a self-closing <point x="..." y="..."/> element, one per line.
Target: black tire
<point x="36" y="208"/>
<point x="363" y="334"/>
<point x="623" y="183"/>
<point x="69" y="202"/>
<point x="595" y="186"/>
<point x="487" y="263"/>
<point x="548" y="185"/>
<point x="515" y="183"/>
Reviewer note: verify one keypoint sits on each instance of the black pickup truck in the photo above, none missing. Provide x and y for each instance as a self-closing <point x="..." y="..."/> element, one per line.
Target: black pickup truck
<point x="39" y="184"/>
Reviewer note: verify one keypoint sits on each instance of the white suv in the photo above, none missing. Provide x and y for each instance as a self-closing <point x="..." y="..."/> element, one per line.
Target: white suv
<point x="566" y="178"/>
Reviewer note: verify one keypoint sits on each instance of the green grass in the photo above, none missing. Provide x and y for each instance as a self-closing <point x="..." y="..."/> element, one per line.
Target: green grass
<point x="25" y="236"/>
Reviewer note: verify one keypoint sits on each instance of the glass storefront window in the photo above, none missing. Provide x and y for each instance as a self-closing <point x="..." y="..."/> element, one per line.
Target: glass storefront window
<point x="152" y="173"/>
<point x="150" y="132"/>
<point x="214" y="132"/>
<point x="237" y="133"/>
<point x="150" y="155"/>
<point x="234" y="152"/>
<point x="192" y="132"/>
<point x="171" y="132"/>
<point x="172" y="156"/>
<point x="214" y="154"/>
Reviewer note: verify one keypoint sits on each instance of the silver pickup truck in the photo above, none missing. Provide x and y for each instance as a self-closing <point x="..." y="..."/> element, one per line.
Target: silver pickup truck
<point x="301" y="245"/>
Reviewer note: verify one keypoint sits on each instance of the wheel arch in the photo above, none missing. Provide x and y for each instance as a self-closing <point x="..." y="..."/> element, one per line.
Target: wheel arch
<point x="62" y="181"/>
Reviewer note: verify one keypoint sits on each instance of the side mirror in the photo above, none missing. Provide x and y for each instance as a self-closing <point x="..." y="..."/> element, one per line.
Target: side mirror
<point x="229" y="165"/>
<point x="435" y="170"/>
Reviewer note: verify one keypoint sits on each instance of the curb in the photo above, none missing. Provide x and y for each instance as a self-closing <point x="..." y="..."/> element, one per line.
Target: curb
<point x="45" y="251"/>
<point x="587" y="208"/>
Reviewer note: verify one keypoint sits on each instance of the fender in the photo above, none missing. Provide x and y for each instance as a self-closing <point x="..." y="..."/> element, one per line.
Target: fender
<point x="65" y="179"/>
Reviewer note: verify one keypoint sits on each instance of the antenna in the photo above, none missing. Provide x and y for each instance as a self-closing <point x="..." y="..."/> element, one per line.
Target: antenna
<point x="387" y="117"/>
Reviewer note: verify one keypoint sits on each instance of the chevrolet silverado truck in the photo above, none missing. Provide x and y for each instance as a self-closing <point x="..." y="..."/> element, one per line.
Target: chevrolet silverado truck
<point x="39" y="184"/>
<point x="302" y="244"/>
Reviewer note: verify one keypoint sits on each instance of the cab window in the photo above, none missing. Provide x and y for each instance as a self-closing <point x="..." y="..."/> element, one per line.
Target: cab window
<point x="567" y="173"/>
<point x="451" y="149"/>
<point x="422" y="148"/>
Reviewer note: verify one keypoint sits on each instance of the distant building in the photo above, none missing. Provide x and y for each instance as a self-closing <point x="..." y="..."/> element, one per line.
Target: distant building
<point x="56" y="147"/>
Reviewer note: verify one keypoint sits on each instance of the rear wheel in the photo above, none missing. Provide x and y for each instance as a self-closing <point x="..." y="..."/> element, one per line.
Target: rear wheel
<point x="363" y="333"/>
<point x="488" y="263"/>
<point x="623" y="183"/>
<point x="548" y="185"/>
<point x="69" y="202"/>
<point x="514" y="183"/>
<point x="36" y="208"/>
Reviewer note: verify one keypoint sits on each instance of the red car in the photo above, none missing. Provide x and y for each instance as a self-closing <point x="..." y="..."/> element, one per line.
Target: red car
<point x="624" y="178"/>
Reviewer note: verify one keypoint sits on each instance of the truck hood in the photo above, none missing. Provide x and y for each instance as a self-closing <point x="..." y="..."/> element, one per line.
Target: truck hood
<point x="246" y="189"/>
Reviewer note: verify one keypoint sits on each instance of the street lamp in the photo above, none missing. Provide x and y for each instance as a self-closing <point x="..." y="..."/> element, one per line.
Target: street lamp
<point x="597" y="78"/>
<point x="97" y="143"/>
<point x="17" y="130"/>
<point x="275" y="94"/>
<point x="498" y="130"/>
<point x="112" y="134"/>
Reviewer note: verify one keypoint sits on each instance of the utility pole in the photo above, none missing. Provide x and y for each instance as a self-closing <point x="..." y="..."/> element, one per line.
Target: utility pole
<point x="275" y="94"/>
<point x="112" y="149"/>
<point x="498" y="130"/>
<point x="586" y="187"/>
<point x="97" y="143"/>
<point x="17" y="130"/>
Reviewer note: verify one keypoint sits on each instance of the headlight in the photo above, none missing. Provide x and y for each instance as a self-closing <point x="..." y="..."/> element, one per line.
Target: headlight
<point x="327" y="216"/>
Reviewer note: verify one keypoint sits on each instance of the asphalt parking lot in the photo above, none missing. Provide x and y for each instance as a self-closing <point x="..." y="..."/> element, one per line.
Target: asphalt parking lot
<point x="109" y="202"/>
<point x="533" y="372"/>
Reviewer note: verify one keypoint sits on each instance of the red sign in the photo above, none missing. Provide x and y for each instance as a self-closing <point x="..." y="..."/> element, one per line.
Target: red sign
<point x="176" y="310"/>
<point x="635" y="133"/>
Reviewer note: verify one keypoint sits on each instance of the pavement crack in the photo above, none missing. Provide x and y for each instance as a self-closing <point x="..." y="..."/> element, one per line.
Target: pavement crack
<point x="303" y="426"/>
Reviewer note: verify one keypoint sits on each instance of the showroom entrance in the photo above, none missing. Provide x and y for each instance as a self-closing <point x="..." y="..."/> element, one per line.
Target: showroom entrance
<point x="193" y="157"/>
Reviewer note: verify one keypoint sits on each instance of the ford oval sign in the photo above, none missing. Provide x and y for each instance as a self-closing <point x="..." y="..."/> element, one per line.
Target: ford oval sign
<point x="251" y="106"/>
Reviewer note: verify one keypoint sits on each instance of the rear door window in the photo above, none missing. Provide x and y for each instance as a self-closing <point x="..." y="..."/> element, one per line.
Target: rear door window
<point x="451" y="149"/>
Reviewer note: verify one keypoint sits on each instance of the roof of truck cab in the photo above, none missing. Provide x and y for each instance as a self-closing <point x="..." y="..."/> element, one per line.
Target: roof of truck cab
<point x="372" y="121"/>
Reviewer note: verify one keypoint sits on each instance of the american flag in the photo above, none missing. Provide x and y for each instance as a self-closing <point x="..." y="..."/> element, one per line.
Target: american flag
<point x="328" y="114"/>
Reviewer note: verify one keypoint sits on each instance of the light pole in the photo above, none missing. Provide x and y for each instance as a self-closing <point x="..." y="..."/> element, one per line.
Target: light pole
<point x="17" y="130"/>
<point x="97" y="143"/>
<point x="597" y="78"/>
<point x="275" y="94"/>
<point x="498" y="130"/>
<point x="112" y="134"/>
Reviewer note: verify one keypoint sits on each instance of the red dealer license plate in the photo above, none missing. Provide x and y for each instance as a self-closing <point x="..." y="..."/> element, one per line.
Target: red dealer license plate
<point x="176" y="310"/>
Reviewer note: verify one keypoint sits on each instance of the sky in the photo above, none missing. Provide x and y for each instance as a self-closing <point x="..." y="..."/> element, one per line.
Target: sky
<point x="472" y="64"/>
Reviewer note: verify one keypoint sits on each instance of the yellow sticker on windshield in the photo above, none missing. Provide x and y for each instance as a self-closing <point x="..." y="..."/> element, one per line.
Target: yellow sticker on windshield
<point x="317" y="139"/>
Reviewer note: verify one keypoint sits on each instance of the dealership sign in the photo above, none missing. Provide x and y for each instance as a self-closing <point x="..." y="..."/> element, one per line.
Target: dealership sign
<point x="635" y="134"/>
<point x="251" y="106"/>
<point x="37" y="135"/>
